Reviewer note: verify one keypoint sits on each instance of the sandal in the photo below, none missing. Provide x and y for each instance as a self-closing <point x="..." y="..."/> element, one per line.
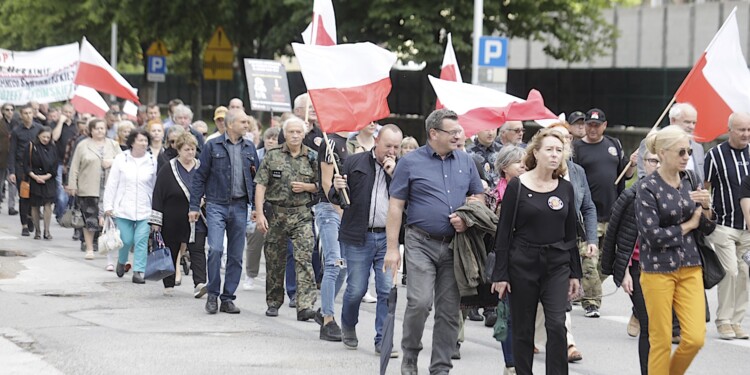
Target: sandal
<point x="573" y="354"/>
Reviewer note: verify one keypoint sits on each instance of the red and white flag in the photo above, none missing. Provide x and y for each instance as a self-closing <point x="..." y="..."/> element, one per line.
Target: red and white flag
<point x="348" y="83"/>
<point x="87" y="100"/>
<point x="719" y="82"/>
<point x="449" y="70"/>
<point x="322" y="30"/>
<point x="95" y="72"/>
<point x="481" y="108"/>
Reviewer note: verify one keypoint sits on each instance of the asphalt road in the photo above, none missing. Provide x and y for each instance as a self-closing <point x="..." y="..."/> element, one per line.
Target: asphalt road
<point x="62" y="314"/>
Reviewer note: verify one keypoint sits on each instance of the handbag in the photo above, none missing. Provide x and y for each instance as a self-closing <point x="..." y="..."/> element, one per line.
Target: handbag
<point x="72" y="217"/>
<point x="713" y="271"/>
<point x="159" y="263"/>
<point x="24" y="189"/>
<point x="489" y="263"/>
<point x="500" y="329"/>
<point x="110" y="238"/>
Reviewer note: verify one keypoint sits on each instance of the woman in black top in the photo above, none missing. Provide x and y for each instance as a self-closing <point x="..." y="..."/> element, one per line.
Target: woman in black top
<point x="536" y="261"/>
<point x="41" y="169"/>
<point x="169" y="212"/>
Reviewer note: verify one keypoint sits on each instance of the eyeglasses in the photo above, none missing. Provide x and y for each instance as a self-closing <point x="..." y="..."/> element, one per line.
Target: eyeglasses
<point x="517" y="131"/>
<point x="685" y="151"/>
<point x="653" y="162"/>
<point x="8" y="109"/>
<point x="453" y="133"/>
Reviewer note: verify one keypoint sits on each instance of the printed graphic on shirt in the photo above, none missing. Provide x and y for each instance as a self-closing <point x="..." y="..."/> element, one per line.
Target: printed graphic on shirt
<point x="555" y="203"/>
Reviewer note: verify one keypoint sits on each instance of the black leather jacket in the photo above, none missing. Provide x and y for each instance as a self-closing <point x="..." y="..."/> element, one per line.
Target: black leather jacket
<point x="622" y="233"/>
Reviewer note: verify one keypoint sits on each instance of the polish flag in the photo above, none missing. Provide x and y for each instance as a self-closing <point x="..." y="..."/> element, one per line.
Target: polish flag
<point x="87" y="100"/>
<point x="130" y="110"/>
<point x="95" y="72"/>
<point x="449" y="70"/>
<point x="322" y="30"/>
<point x="481" y="108"/>
<point x="719" y="82"/>
<point x="348" y="83"/>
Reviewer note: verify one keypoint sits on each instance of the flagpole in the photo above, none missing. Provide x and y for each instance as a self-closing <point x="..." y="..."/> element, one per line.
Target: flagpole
<point x="653" y="129"/>
<point x="345" y="196"/>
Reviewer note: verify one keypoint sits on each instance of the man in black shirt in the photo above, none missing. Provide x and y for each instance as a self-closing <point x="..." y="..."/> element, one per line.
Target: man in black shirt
<point x="65" y="130"/>
<point x="314" y="136"/>
<point x="484" y="151"/>
<point x="603" y="160"/>
<point x="19" y="146"/>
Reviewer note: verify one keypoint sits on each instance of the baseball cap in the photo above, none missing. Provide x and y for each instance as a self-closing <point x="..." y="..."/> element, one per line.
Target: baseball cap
<point x="220" y="112"/>
<point x="596" y="115"/>
<point x="576" y="116"/>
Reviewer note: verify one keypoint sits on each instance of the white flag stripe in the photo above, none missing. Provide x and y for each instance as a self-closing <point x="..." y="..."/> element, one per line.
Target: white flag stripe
<point x="90" y="55"/>
<point x="462" y="97"/>
<point x="726" y="69"/>
<point x="344" y="65"/>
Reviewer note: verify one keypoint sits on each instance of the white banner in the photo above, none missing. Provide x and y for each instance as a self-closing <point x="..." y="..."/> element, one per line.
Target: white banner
<point x="45" y="75"/>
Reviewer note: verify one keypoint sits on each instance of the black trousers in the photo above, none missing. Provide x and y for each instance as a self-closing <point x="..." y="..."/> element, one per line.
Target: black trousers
<point x="639" y="310"/>
<point x="539" y="274"/>
<point x="174" y="248"/>
<point x="197" y="251"/>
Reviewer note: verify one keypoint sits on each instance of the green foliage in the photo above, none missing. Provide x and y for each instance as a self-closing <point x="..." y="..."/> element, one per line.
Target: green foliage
<point x="571" y="30"/>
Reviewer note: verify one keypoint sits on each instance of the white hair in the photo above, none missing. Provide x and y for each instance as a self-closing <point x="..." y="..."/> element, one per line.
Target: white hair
<point x="301" y="101"/>
<point x="182" y="109"/>
<point x="294" y="119"/>
<point x="679" y="109"/>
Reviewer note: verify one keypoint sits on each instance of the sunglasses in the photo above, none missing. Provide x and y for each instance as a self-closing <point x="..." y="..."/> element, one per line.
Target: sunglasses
<point x="685" y="151"/>
<point x="653" y="162"/>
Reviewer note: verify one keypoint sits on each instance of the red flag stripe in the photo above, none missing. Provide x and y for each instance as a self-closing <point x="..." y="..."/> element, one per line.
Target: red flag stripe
<point x="351" y="109"/>
<point x="95" y="76"/>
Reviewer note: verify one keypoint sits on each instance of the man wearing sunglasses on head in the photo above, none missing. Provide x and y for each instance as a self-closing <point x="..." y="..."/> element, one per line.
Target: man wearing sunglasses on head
<point x="603" y="159"/>
<point x="685" y="116"/>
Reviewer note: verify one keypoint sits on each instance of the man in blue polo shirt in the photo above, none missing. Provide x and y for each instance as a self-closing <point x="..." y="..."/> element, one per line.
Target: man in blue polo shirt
<point x="433" y="181"/>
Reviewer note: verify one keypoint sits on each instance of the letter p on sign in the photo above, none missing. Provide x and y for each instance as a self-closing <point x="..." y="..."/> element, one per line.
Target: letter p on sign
<point x="493" y="51"/>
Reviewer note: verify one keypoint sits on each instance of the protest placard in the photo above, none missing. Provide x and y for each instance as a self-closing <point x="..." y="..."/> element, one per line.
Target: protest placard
<point x="267" y="85"/>
<point x="45" y="75"/>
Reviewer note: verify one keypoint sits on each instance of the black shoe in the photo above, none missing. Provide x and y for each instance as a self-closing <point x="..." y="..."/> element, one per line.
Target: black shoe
<point x="138" y="278"/>
<point x="305" y="315"/>
<point x="591" y="312"/>
<point x="25" y="232"/>
<point x="272" y="311"/>
<point x="330" y="331"/>
<point x="229" y="308"/>
<point x="409" y="366"/>
<point x="474" y="315"/>
<point x="379" y="349"/>
<point x="31" y="226"/>
<point x="349" y="337"/>
<point x="120" y="269"/>
<point x="456" y="354"/>
<point x="75" y="235"/>
<point x="319" y="318"/>
<point x="211" y="305"/>
<point x="293" y="301"/>
<point x="490" y="317"/>
<point x="12" y="212"/>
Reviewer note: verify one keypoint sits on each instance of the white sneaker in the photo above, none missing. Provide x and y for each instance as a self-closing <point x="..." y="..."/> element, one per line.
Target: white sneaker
<point x="249" y="283"/>
<point x="368" y="298"/>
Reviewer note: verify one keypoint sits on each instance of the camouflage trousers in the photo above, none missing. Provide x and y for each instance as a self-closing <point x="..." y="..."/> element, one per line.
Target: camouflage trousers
<point x="297" y="227"/>
<point x="592" y="272"/>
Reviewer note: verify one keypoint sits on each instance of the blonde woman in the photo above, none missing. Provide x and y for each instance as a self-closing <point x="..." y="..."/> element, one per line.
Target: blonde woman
<point x="408" y="144"/>
<point x="669" y="211"/>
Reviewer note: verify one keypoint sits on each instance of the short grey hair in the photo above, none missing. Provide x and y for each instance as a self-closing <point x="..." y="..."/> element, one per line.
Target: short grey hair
<point x="182" y="109"/>
<point x="293" y="119"/>
<point x="301" y="100"/>
<point x="232" y="115"/>
<point x="679" y="109"/>
<point x="506" y="156"/>
<point x="435" y="119"/>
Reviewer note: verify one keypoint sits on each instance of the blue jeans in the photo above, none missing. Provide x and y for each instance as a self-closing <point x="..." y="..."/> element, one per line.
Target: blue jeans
<point x="133" y="234"/>
<point x="62" y="197"/>
<point x="328" y="222"/>
<point x="231" y="218"/>
<point x="359" y="261"/>
<point x="291" y="274"/>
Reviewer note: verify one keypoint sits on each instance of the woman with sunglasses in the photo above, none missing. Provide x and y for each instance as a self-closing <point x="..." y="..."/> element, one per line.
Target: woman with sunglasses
<point x="668" y="213"/>
<point x="621" y="256"/>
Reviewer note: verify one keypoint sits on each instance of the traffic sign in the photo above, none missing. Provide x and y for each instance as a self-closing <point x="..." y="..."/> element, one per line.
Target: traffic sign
<point x="493" y="51"/>
<point x="157" y="48"/>
<point x="157" y="69"/>
<point x="218" y="61"/>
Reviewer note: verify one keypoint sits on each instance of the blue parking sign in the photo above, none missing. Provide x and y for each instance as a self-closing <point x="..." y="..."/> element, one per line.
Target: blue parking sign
<point x="157" y="65"/>
<point x="493" y="51"/>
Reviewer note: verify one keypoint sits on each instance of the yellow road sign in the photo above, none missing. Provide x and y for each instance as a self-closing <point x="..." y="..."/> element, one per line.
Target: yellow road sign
<point x="157" y="48"/>
<point x="219" y="57"/>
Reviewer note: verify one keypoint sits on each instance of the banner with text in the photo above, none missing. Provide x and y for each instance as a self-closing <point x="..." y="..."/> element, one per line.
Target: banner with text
<point x="45" y="75"/>
<point x="267" y="85"/>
